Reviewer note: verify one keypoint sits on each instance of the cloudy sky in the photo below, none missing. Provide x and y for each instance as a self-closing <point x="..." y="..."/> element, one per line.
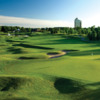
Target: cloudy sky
<point x="49" y="13"/>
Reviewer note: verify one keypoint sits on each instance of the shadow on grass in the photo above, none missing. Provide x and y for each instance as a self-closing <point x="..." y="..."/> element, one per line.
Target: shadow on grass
<point x="85" y="53"/>
<point x="32" y="46"/>
<point x="94" y="84"/>
<point x="12" y="41"/>
<point x="8" y="83"/>
<point x="28" y="58"/>
<point x="78" y="90"/>
<point x="16" y="50"/>
<point x="97" y="59"/>
<point x="67" y="86"/>
<point x="65" y="41"/>
<point x="91" y="95"/>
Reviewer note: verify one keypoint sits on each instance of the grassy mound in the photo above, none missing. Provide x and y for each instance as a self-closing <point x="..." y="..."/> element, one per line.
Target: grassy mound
<point x="67" y="86"/>
<point x="17" y="50"/>
<point x="10" y="83"/>
<point x="12" y="40"/>
<point x="3" y="44"/>
<point x="45" y="87"/>
<point x="32" y="56"/>
<point x="70" y="50"/>
<point x="33" y="46"/>
<point x="54" y="52"/>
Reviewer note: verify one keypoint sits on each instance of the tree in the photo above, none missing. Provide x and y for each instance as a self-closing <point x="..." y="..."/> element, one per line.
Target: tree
<point x="4" y="29"/>
<point x="0" y="28"/>
<point x="89" y="34"/>
<point x="28" y="29"/>
<point x="94" y="35"/>
<point x="23" y="29"/>
<point x="98" y="34"/>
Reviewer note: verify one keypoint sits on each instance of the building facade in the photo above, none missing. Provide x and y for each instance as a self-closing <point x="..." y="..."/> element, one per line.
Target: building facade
<point x="77" y="23"/>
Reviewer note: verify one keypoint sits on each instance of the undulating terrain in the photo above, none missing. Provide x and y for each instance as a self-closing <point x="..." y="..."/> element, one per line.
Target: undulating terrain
<point x="28" y="73"/>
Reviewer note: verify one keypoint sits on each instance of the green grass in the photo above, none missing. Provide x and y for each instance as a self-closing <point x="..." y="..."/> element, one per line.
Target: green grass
<point x="26" y="72"/>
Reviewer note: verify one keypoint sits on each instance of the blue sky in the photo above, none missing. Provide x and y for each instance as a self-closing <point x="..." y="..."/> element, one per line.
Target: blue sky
<point x="49" y="13"/>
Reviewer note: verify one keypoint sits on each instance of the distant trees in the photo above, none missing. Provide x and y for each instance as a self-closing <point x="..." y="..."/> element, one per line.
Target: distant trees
<point x="94" y="33"/>
<point x="14" y="29"/>
<point x="4" y="29"/>
<point x="91" y="32"/>
<point x="28" y="29"/>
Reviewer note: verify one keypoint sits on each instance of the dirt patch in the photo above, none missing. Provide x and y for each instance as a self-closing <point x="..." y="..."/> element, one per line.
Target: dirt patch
<point x="56" y="55"/>
<point x="60" y="53"/>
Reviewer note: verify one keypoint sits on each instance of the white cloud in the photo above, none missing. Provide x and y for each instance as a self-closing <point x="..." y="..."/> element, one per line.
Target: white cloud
<point x="94" y="19"/>
<point x="34" y="23"/>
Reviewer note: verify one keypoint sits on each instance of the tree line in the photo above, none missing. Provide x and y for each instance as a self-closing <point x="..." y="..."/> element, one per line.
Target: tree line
<point x="93" y="33"/>
<point x="13" y="29"/>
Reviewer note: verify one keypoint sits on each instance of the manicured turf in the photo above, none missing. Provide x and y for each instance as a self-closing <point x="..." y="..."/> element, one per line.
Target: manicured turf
<point x="27" y="73"/>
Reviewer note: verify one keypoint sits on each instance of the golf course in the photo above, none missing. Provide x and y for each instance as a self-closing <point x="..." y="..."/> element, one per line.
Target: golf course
<point x="49" y="67"/>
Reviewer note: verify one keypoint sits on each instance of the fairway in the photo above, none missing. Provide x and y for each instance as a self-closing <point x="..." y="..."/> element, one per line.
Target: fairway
<point x="28" y="72"/>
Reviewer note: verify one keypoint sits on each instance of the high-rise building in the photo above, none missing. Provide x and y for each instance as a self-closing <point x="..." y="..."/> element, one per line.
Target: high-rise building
<point x="77" y="23"/>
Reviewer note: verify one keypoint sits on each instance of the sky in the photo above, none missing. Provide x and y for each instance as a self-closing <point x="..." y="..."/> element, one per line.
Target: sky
<point x="49" y="13"/>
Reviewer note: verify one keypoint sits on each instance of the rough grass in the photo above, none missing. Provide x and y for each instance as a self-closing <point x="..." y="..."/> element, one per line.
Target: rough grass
<point x="42" y="87"/>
